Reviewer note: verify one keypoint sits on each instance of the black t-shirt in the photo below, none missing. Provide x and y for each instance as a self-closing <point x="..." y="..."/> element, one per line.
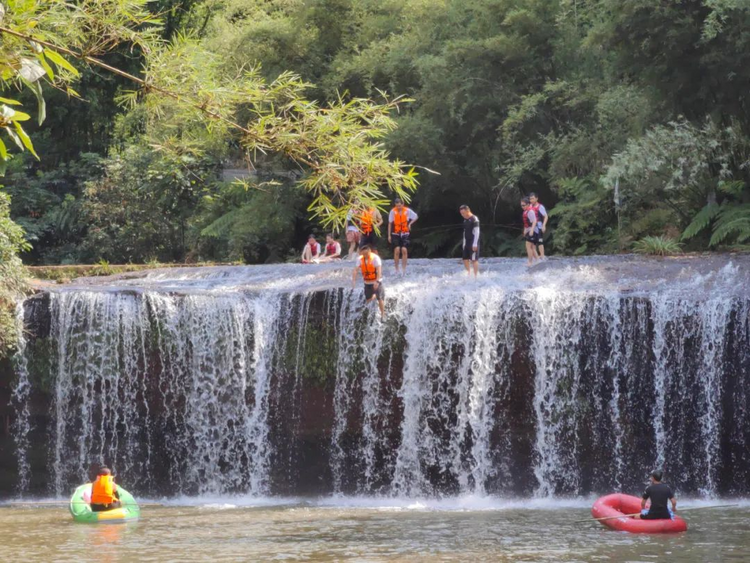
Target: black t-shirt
<point x="659" y="493"/>
<point x="469" y="225"/>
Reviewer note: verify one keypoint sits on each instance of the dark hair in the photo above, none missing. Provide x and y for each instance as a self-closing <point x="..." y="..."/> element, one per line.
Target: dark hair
<point x="657" y="475"/>
<point x="397" y="200"/>
<point x="333" y="236"/>
<point x="525" y="200"/>
<point x="310" y="236"/>
<point x="463" y="207"/>
<point x="532" y="194"/>
<point x="364" y="247"/>
<point x="104" y="470"/>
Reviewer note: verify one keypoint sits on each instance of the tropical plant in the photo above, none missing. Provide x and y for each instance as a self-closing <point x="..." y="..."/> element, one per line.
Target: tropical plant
<point x="729" y="220"/>
<point x="657" y="246"/>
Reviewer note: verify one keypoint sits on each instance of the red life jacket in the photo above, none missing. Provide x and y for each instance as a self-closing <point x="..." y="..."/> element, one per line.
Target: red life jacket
<point x="400" y="220"/>
<point x="313" y="248"/>
<point x="369" y="271"/>
<point x="330" y="249"/>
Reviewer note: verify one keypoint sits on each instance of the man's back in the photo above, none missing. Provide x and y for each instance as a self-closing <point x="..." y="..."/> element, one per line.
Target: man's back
<point x="659" y="493"/>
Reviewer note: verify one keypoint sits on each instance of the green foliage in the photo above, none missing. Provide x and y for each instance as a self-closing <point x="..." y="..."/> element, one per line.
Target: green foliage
<point x="657" y="246"/>
<point x="585" y="218"/>
<point x="11" y="274"/>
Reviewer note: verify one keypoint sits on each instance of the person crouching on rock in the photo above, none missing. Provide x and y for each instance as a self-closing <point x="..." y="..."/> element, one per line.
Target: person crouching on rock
<point x="659" y="493"/>
<point x="371" y="267"/>
<point x="104" y="492"/>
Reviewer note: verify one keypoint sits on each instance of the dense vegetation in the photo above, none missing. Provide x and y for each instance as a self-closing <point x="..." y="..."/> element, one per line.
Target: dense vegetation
<point x="630" y="119"/>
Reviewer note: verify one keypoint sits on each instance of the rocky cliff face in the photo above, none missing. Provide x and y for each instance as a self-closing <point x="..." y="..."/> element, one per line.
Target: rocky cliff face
<point x="579" y="376"/>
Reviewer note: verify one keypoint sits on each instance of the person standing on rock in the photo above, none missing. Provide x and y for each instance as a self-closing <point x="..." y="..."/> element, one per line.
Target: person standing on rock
<point x="369" y="220"/>
<point x="400" y="220"/>
<point x="541" y="223"/>
<point x="530" y="232"/>
<point x="370" y="266"/>
<point x="470" y="240"/>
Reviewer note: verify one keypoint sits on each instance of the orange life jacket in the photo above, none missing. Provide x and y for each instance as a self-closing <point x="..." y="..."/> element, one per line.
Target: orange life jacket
<point x="103" y="490"/>
<point x="369" y="271"/>
<point x="400" y="220"/>
<point x="365" y="221"/>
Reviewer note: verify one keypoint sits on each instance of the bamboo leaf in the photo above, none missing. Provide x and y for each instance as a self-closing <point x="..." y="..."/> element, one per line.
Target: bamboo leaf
<point x="60" y="61"/>
<point x="25" y="139"/>
<point x="10" y="102"/>
<point x="45" y="66"/>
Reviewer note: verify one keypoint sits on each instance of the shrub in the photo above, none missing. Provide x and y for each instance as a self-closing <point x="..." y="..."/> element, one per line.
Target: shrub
<point x="657" y="246"/>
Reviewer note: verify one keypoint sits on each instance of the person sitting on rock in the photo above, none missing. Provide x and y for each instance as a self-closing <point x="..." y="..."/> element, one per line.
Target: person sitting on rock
<point x="311" y="252"/>
<point x="104" y="494"/>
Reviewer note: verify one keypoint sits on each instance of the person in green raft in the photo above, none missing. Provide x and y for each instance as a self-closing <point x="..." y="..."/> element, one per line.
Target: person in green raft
<point x="660" y="494"/>
<point x="104" y="494"/>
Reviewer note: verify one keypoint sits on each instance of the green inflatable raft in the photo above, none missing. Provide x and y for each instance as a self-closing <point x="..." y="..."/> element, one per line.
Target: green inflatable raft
<point x="81" y="510"/>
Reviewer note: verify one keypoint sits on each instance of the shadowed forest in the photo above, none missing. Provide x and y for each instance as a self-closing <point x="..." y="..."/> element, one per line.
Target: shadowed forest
<point x="630" y="119"/>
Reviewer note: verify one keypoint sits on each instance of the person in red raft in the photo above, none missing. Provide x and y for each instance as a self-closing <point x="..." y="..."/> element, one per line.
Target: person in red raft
<point x="104" y="492"/>
<point x="660" y="494"/>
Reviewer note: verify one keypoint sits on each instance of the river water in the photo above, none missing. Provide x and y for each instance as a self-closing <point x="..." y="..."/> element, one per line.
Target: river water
<point x="360" y="529"/>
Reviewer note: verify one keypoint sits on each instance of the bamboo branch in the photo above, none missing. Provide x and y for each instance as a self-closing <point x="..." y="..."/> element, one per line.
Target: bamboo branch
<point x="114" y="70"/>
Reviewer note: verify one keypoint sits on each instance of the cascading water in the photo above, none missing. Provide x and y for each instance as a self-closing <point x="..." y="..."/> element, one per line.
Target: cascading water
<point x="577" y="376"/>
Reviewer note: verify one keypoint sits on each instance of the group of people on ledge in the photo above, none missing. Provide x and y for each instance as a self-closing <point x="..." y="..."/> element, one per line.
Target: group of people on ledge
<point x="361" y="234"/>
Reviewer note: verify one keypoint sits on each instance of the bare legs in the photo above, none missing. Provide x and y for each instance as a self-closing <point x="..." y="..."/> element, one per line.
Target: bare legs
<point x="531" y="252"/>
<point x="403" y="254"/>
<point x="468" y="265"/>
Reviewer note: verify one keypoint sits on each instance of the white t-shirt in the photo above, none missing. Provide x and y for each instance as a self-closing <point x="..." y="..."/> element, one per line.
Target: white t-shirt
<point x="531" y="216"/>
<point x="543" y="213"/>
<point x="410" y="215"/>
<point x="376" y="261"/>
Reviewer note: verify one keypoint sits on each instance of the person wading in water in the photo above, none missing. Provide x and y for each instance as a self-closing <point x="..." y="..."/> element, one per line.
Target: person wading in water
<point x="400" y="221"/>
<point x="104" y="492"/>
<point x="660" y="494"/>
<point x="530" y="231"/>
<point x="470" y="240"/>
<point x="541" y="223"/>
<point x="371" y="267"/>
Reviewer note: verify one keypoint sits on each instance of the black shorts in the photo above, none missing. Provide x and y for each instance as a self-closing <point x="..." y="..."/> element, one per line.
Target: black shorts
<point x="105" y="507"/>
<point x="469" y="254"/>
<point x="657" y="515"/>
<point x="370" y="291"/>
<point x="400" y="240"/>
<point x="370" y="239"/>
<point x="533" y="238"/>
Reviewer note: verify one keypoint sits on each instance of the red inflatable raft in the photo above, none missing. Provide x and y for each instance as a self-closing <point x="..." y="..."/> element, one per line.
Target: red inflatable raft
<point x="620" y="505"/>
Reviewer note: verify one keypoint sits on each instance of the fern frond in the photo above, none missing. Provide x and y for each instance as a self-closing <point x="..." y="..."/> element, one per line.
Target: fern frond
<point x="701" y="220"/>
<point x="223" y="224"/>
<point x="739" y="227"/>
<point x="733" y="188"/>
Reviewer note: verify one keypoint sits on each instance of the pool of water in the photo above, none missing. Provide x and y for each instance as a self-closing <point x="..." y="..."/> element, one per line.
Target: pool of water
<point x="346" y="529"/>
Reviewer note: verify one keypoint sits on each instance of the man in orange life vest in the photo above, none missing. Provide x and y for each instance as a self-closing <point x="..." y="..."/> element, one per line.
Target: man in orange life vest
<point x="400" y="221"/>
<point x="371" y="267"/>
<point x="369" y="220"/>
<point x="104" y="492"/>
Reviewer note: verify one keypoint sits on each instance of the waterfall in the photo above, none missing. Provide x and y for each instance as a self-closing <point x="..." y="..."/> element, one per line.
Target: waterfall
<point x="577" y="377"/>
